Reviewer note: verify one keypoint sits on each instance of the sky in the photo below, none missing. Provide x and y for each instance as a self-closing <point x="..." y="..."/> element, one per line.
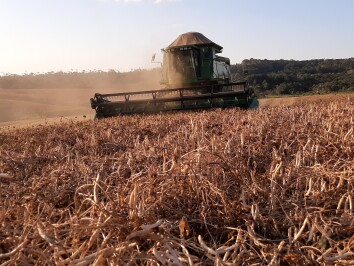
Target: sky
<point x="39" y="36"/>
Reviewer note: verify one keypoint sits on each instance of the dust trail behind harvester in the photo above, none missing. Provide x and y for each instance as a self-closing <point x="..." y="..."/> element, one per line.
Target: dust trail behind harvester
<point x="65" y="94"/>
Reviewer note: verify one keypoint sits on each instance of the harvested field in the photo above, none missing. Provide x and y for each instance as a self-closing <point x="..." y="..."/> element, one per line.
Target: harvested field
<point x="308" y="99"/>
<point x="226" y="187"/>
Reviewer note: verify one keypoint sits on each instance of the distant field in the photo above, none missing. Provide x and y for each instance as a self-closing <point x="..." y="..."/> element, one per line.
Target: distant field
<point x="30" y="104"/>
<point x="23" y="107"/>
<point x="33" y="106"/>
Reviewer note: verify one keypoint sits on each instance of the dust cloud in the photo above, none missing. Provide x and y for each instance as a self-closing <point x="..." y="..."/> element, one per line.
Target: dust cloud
<point x="52" y="95"/>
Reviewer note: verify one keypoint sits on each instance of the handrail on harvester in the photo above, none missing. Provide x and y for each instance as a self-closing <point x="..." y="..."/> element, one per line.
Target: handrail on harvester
<point x="196" y="88"/>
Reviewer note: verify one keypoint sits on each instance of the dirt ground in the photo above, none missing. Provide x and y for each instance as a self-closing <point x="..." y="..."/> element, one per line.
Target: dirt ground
<point x="29" y="107"/>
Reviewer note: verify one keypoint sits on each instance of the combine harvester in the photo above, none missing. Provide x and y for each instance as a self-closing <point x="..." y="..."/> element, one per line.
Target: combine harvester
<point x="195" y="78"/>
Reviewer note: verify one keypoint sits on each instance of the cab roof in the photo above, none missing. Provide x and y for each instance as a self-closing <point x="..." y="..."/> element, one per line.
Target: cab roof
<point x="193" y="39"/>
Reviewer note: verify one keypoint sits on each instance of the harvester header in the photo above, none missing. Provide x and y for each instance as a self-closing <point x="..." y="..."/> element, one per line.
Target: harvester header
<point x="195" y="77"/>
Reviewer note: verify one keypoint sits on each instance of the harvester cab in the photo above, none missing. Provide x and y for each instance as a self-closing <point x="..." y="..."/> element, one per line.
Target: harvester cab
<point x="195" y="77"/>
<point x="192" y="60"/>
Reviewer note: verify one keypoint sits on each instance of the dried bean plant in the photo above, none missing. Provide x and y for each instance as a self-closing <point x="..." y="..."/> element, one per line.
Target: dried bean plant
<point x="222" y="187"/>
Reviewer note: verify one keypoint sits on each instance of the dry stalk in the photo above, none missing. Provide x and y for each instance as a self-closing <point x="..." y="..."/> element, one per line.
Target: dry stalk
<point x="248" y="186"/>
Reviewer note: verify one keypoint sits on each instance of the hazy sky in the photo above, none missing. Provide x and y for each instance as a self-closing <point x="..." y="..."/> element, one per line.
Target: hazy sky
<point x="53" y="35"/>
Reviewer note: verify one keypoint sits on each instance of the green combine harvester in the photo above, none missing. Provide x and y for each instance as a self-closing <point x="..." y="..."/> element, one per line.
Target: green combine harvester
<point x="195" y="77"/>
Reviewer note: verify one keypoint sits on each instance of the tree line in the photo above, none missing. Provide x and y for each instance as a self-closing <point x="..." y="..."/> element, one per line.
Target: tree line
<point x="266" y="76"/>
<point x="296" y="77"/>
